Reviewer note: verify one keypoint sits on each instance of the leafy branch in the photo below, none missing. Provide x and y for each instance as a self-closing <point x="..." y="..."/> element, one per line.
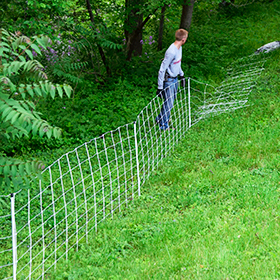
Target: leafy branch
<point x="22" y="78"/>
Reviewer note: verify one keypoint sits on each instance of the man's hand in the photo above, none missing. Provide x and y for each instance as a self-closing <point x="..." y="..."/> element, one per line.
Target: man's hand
<point x="183" y="81"/>
<point x="159" y="93"/>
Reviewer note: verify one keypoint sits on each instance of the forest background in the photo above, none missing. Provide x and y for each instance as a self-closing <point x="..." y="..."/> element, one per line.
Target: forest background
<point x="105" y="56"/>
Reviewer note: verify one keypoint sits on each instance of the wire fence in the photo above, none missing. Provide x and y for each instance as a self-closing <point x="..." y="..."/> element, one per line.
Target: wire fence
<point x="98" y="179"/>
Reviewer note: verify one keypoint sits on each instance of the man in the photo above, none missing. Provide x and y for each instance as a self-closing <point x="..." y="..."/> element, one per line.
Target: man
<point x="168" y="77"/>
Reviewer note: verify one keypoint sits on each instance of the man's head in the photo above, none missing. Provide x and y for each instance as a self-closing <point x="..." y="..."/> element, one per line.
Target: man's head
<point x="181" y="35"/>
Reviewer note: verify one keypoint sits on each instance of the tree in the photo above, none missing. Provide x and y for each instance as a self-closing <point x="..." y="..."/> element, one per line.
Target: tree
<point x="186" y="17"/>
<point x="22" y="79"/>
<point x="133" y="29"/>
<point x="134" y="23"/>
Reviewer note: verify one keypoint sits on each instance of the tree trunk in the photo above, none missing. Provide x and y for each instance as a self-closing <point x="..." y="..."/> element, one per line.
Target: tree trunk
<point x="186" y="17"/>
<point x="133" y="27"/>
<point x="160" y="30"/>
<point x="133" y="40"/>
<point x="133" y="32"/>
<point x="101" y="52"/>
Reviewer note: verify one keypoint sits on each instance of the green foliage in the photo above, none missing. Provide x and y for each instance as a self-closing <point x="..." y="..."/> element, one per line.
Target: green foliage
<point x="32" y="16"/>
<point x="88" y="36"/>
<point x="17" y="172"/>
<point x="210" y="211"/>
<point x="101" y="104"/>
<point x="205" y="213"/>
<point x="22" y="78"/>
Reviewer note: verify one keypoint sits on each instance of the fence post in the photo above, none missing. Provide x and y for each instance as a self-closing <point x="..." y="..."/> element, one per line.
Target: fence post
<point x="204" y="96"/>
<point x="189" y="97"/>
<point x="14" y="236"/>
<point x="137" y="159"/>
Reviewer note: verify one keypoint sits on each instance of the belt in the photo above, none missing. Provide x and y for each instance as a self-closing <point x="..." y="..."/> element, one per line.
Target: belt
<point x="167" y="76"/>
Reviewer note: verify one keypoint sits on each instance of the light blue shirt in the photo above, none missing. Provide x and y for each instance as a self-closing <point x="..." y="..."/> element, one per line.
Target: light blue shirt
<point x="171" y="64"/>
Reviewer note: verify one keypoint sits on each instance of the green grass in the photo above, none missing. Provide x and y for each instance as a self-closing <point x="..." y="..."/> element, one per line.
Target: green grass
<point x="212" y="209"/>
<point x="210" y="212"/>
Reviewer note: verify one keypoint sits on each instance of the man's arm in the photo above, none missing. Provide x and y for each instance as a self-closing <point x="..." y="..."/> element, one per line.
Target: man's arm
<point x="181" y="73"/>
<point x="182" y="78"/>
<point x="164" y="65"/>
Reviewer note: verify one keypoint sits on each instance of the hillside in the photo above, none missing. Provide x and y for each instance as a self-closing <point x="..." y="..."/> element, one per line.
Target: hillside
<point x="211" y="211"/>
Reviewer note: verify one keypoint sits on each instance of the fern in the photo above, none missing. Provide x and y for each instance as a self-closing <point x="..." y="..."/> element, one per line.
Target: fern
<point x="89" y="37"/>
<point x="75" y="66"/>
<point x="69" y="77"/>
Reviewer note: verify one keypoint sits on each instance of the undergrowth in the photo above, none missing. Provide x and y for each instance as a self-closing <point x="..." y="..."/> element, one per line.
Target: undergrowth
<point x="99" y="106"/>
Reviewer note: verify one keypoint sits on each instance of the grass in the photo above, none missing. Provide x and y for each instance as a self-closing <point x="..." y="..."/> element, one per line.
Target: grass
<point x="212" y="209"/>
<point x="210" y="212"/>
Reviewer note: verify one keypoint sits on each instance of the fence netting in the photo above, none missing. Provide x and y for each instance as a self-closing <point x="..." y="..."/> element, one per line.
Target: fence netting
<point x="99" y="178"/>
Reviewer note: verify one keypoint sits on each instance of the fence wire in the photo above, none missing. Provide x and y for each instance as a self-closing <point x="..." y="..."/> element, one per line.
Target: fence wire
<point x="99" y="178"/>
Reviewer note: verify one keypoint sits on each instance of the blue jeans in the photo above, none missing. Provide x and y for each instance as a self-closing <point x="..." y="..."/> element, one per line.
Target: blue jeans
<point x="170" y="88"/>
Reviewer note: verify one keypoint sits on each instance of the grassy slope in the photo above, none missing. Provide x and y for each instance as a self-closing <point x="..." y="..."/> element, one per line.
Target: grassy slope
<point x="210" y="212"/>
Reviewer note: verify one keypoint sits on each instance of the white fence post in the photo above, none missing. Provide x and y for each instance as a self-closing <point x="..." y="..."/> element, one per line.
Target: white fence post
<point x="137" y="160"/>
<point x="14" y="236"/>
<point x="189" y="97"/>
<point x="204" y="100"/>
